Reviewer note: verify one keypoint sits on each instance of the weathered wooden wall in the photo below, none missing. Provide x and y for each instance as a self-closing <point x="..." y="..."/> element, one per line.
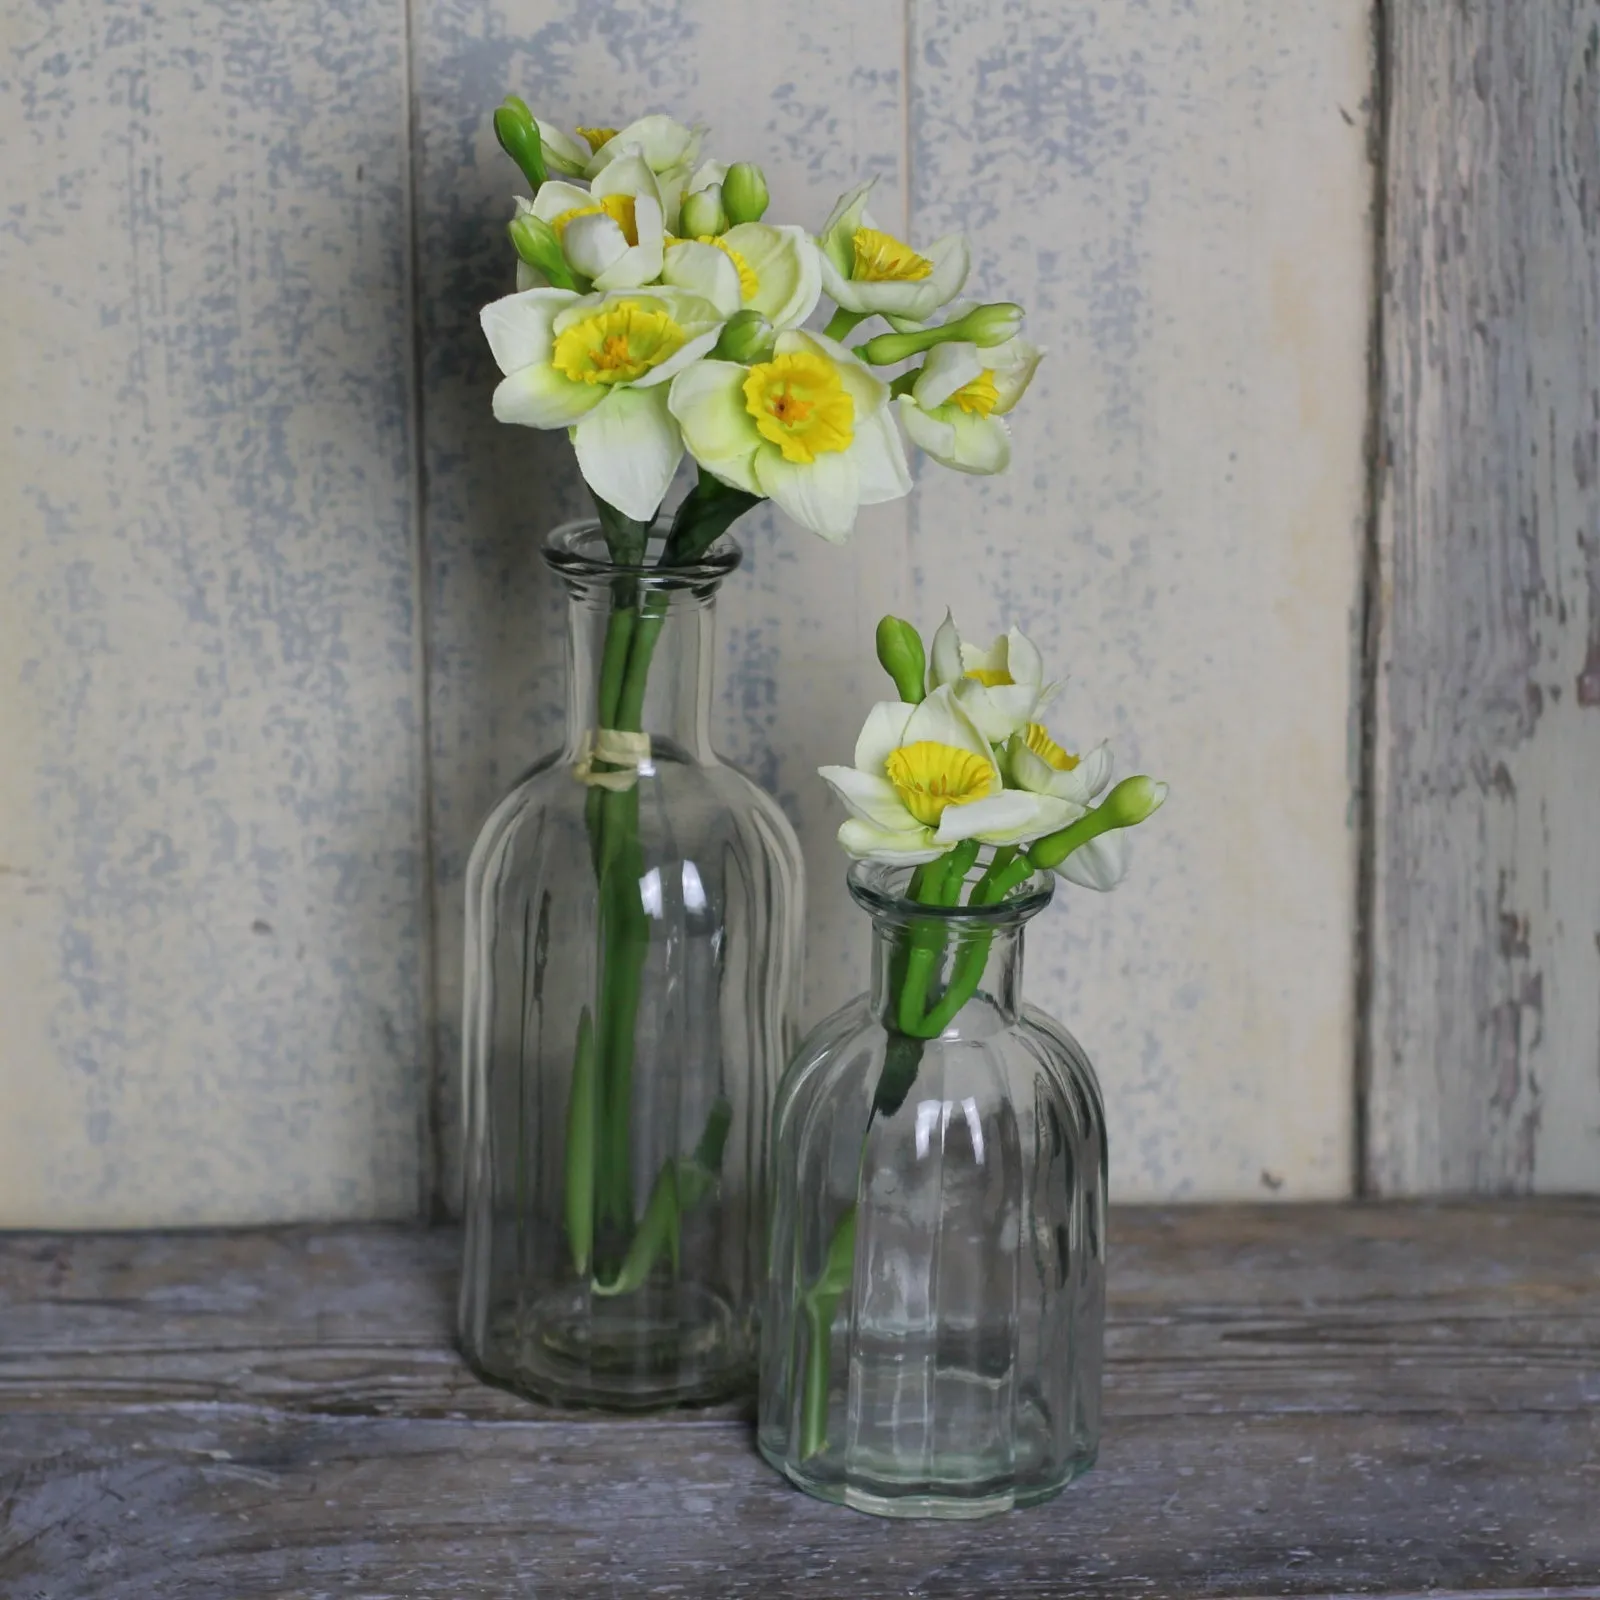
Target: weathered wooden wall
<point x="232" y="823"/>
<point x="1485" y="993"/>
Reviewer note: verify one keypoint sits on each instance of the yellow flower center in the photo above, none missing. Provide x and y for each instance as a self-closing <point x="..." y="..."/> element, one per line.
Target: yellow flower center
<point x="881" y="258"/>
<point x="619" y="207"/>
<point x="595" y="137"/>
<point x="749" y="283"/>
<point x="979" y="397"/>
<point x="991" y="677"/>
<point x="1047" y="749"/>
<point x="617" y="345"/>
<point x="801" y="405"/>
<point x="928" y="777"/>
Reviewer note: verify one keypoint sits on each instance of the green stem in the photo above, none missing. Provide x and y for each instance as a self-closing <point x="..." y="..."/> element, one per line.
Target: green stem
<point x="843" y="323"/>
<point x="820" y="1303"/>
<point x="581" y="1129"/>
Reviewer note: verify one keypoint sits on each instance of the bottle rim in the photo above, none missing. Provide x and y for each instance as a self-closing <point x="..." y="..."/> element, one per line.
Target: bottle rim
<point x="577" y="551"/>
<point x="879" y="888"/>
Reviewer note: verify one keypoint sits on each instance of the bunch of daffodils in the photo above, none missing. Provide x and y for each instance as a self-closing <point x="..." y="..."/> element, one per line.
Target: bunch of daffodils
<point x="962" y="760"/>
<point x="659" y="313"/>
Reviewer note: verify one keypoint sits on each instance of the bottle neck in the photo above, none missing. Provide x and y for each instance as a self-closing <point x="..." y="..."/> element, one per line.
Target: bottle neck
<point x="640" y="663"/>
<point x="962" y="977"/>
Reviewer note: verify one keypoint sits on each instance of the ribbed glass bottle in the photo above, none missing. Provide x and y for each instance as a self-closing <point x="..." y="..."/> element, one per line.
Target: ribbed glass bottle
<point x="933" y="1336"/>
<point x="633" y="949"/>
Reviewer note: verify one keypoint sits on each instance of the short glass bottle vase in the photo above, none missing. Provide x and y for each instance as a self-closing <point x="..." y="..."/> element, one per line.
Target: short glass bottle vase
<point x="633" y="950"/>
<point x="932" y="1343"/>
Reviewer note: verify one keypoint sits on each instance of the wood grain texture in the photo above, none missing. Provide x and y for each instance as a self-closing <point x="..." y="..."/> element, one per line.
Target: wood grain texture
<point x="819" y="103"/>
<point x="1306" y="1400"/>
<point x="211" y="908"/>
<point x="1485" y="994"/>
<point x="1180" y="194"/>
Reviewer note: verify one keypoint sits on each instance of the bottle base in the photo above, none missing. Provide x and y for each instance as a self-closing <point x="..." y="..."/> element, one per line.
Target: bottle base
<point x="672" y="1345"/>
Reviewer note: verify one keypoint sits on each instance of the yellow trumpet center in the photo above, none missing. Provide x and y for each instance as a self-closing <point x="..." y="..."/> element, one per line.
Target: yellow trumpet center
<point x="619" y="207"/>
<point x="1043" y="746"/>
<point x="929" y="776"/>
<point x="881" y="258"/>
<point x="749" y="283"/>
<point x="617" y="345"/>
<point x="801" y="405"/>
<point x="979" y="397"/>
<point x="991" y="677"/>
<point x="595" y="137"/>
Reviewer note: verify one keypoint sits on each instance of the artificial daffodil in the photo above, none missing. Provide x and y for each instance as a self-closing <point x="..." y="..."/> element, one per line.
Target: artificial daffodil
<point x="810" y="429"/>
<point x="954" y="408"/>
<point x="752" y="267"/>
<point x="666" y="146"/>
<point x="600" y="364"/>
<point x="924" y="779"/>
<point x="613" y="232"/>
<point x="866" y="270"/>
<point x="1033" y="761"/>
<point x="999" y="688"/>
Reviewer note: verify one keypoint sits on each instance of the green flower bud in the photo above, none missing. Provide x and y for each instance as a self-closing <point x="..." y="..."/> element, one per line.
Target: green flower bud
<point x="747" y="337"/>
<point x="518" y="134"/>
<point x="535" y="241"/>
<point x="1128" y="804"/>
<point x="984" y="325"/>
<point x="702" y="216"/>
<point x="744" y="192"/>
<point x="902" y="656"/>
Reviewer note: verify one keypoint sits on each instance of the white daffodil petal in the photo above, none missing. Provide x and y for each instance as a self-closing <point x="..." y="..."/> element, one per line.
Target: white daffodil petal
<point x="529" y="277"/>
<point x="952" y="261"/>
<point x="662" y="141"/>
<point x="882" y="733"/>
<point x="705" y="270"/>
<point x="628" y="449"/>
<point x="1013" y="365"/>
<point x="706" y="174"/>
<point x="594" y="243"/>
<point x="562" y="153"/>
<point x="1026" y="769"/>
<point x="519" y="327"/>
<point x="1023" y="660"/>
<point x="708" y="401"/>
<point x="630" y="175"/>
<point x="556" y="199"/>
<point x="787" y="266"/>
<point x="927" y="432"/>
<point x="1005" y="818"/>
<point x="948" y="367"/>
<point x="1000" y="711"/>
<point x="866" y="843"/>
<point x="822" y="495"/>
<point x="680" y="360"/>
<point x="1093" y="770"/>
<point x="941" y="720"/>
<point x="1100" y="864"/>
<point x="839" y="231"/>
<point x="540" y="397"/>
<point x="880" y="459"/>
<point x="875" y="801"/>
<point x="979" y="445"/>
<point x="944" y="662"/>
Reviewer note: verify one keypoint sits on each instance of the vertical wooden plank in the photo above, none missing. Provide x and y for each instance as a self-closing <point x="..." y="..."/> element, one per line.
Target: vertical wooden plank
<point x="1485" y="1008"/>
<point x="1180" y="193"/>
<point x="210" y="895"/>
<point x="818" y="102"/>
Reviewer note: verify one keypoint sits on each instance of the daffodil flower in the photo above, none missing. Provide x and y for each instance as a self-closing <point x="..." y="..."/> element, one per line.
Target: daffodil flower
<point x="866" y="270"/>
<point x="954" y="408"/>
<point x="809" y="428"/>
<point x="613" y="232"/>
<point x="667" y="147"/>
<point x="600" y="364"/>
<point x="1033" y="761"/>
<point x="924" y="779"/>
<point x="999" y="688"/>
<point x="753" y="267"/>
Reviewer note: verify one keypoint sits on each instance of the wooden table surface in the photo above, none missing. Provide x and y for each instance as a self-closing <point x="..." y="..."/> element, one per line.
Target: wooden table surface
<point x="1307" y="1400"/>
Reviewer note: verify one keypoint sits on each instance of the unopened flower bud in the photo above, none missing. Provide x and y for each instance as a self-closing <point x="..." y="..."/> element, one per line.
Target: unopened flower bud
<point x="983" y="325"/>
<point x="703" y="216"/>
<point x="747" y="337"/>
<point x="518" y="133"/>
<point x="744" y="192"/>
<point x="901" y="654"/>
<point x="536" y="242"/>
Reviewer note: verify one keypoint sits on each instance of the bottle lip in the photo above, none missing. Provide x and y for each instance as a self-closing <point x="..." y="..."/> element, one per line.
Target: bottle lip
<point x="879" y="888"/>
<point x="577" y="552"/>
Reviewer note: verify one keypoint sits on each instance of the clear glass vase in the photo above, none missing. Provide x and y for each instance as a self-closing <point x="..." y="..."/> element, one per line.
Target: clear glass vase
<point x="634" y="911"/>
<point x="933" y="1336"/>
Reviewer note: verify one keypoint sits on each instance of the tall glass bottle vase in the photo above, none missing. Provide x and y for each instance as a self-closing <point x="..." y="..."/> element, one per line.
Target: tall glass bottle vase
<point x="634" y="912"/>
<point x="935" y="1318"/>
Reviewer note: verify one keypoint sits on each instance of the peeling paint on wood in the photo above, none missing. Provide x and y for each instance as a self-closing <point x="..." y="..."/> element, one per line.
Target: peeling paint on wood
<point x="1485" y="1012"/>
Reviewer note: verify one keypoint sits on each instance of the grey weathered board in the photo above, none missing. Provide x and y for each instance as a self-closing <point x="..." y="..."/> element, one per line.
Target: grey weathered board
<point x="1300" y="1401"/>
<point x="1485" y="934"/>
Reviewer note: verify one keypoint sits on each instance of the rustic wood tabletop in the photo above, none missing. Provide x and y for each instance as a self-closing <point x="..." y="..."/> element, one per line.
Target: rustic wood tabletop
<point x="1311" y="1400"/>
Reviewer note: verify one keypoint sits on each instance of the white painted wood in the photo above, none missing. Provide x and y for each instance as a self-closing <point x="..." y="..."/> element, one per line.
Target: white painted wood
<point x="818" y="102"/>
<point x="1180" y="194"/>
<point x="1485" y="1009"/>
<point x="211" y="918"/>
